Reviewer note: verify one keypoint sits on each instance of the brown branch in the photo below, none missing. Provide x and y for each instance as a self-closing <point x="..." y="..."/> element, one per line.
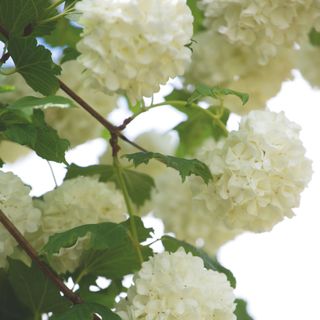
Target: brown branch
<point x="26" y="246"/>
<point x="31" y="252"/>
<point x="110" y="127"/>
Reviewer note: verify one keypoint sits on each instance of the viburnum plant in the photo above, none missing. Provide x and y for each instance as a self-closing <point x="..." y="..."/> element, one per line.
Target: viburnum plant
<point x="229" y="57"/>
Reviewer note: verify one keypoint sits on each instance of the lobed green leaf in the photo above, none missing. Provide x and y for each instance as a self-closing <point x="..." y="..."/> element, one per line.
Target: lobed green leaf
<point x="203" y="91"/>
<point x="35" y="64"/>
<point x="35" y="291"/>
<point x="241" y="310"/>
<point x="185" y="167"/>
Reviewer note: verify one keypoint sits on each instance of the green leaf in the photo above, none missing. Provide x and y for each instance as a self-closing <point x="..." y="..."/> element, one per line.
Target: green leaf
<point x="85" y="311"/>
<point x="35" y="64"/>
<point x="64" y="34"/>
<point x="197" y="15"/>
<point x="178" y="94"/>
<point x="185" y="167"/>
<point x="69" y="54"/>
<point x="6" y="88"/>
<point x="172" y="245"/>
<point x="40" y="137"/>
<point x="35" y="291"/>
<point x="197" y="128"/>
<point x="314" y="37"/>
<point x="1" y="163"/>
<point x="102" y="236"/>
<point x="22" y="17"/>
<point x="139" y="184"/>
<point x="203" y="91"/>
<point x="111" y="251"/>
<point x="241" y="310"/>
<point x="26" y="105"/>
<point x="11" y="307"/>
<point x="105" y="297"/>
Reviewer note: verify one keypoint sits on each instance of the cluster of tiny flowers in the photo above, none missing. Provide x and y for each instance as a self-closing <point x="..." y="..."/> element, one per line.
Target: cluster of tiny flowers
<point x="258" y="174"/>
<point x="178" y="286"/>
<point x="184" y="216"/>
<point x="17" y="205"/>
<point x="216" y="62"/>
<point x="75" y="124"/>
<point x="262" y="25"/>
<point x="307" y="61"/>
<point x="79" y="201"/>
<point x="133" y="46"/>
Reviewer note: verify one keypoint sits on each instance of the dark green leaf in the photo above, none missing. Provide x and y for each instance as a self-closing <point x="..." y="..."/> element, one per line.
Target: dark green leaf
<point x="172" y="244"/>
<point x="64" y="34"/>
<point x="40" y="137"/>
<point x="178" y="94"/>
<point x="1" y="163"/>
<point x="102" y="236"/>
<point x="34" y="289"/>
<point x="197" y="15"/>
<point x="199" y="127"/>
<point x="69" y="54"/>
<point x="4" y="89"/>
<point x="203" y="91"/>
<point x="86" y="311"/>
<point x="35" y="64"/>
<point x="111" y="252"/>
<point x="105" y="297"/>
<point x="241" y="310"/>
<point x="26" y="105"/>
<point x="11" y="307"/>
<point x="314" y="37"/>
<point x="185" y="167"/>
<point x="22" y="17"/>
<point x="139" y="184"/>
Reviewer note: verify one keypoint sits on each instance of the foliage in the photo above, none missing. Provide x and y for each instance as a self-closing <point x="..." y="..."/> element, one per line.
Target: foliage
<point x="185" y="167"/>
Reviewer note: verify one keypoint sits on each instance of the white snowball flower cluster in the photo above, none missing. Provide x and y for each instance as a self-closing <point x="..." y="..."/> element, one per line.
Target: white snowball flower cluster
<point x="262" y="25"/>
<point x="216" y="62"/>
<point x="133" y="46"/>
<point x="17" y="205"/>
<point x="178" y="286"/>
<point x="79" y="201"/>
<point x="258" y="174"/>
<point x="172" y="202"/>
<point x="307" y="61"/>
<point x="75" y="124"/>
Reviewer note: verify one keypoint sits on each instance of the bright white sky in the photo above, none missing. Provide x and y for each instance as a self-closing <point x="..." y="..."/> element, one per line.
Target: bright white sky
<point x="277" y="272"/>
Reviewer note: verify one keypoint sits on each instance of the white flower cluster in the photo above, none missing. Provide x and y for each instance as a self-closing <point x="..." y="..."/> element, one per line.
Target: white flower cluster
<point x="177" y="286"/>
<point x="307" y="61"/>
<point x="172" y="202"/>
<point x="258" y="174"/>
<point x="216" y="62"/>
<point x="79" y="201"/>
<point x="75" y="124"/>
<point x="133" y="46"/>
<point x="17" y="205"/>
<point x="262" y="25"/>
